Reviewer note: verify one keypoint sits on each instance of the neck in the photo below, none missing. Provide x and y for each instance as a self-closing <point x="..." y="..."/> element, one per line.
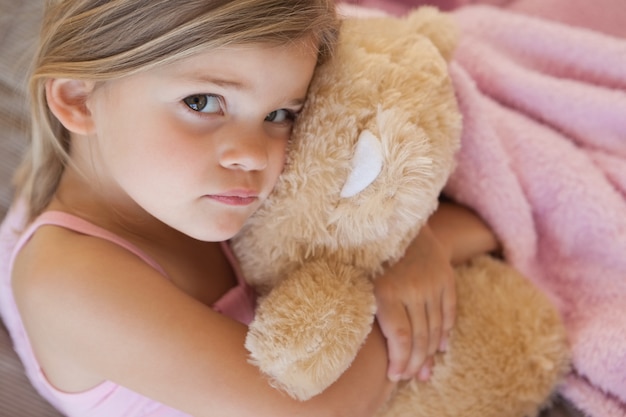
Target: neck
<point x="106" y="205"/>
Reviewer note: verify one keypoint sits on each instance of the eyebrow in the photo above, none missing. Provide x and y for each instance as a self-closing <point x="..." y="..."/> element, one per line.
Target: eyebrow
<point x="222" y="82"/>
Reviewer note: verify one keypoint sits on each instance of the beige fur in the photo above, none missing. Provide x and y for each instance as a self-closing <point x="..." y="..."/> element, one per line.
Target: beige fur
<point x="313" y="254"/>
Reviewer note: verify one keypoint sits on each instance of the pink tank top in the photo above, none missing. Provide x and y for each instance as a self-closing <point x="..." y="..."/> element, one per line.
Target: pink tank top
<point x="107" y="399"/>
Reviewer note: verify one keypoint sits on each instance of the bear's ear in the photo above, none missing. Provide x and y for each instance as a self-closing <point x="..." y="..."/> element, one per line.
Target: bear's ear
<point x="439" y="27"/>
<point x="367" y="162"/>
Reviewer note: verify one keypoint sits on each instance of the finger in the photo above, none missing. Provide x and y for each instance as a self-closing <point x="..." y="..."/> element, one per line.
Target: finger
<point x="426" y="370"/>
<point x="420" y="340"/>
<point x="396" y="327"/>
<point x="434" y="315"/>
<point x="449" y="315"/>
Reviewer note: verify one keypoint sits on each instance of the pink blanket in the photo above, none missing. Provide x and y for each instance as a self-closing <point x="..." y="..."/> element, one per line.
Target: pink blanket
<point x="543" y="161"/>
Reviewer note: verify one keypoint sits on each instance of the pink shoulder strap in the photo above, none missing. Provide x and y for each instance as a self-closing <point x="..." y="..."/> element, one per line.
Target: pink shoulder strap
<point x="79" y="225"/>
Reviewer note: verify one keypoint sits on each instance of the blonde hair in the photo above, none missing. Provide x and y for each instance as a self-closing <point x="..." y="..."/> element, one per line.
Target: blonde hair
<point x="100" y="40"/>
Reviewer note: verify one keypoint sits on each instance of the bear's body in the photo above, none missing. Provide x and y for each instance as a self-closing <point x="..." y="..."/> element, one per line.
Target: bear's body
<point x="370" y="153"/>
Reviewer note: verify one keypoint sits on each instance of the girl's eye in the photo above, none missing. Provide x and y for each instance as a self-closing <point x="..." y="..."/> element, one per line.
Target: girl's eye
<point x="280" y="116"/>
<point x="204" y="103"/>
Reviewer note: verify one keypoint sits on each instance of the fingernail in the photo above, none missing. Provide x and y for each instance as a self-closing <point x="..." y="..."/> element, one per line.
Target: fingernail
<point x="443" y="345"/>
<point x="394" y="377"/>
<point x="424" y="373"/>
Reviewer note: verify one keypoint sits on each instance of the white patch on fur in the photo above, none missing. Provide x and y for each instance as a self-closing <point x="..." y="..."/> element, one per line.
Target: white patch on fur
<point x="367" y="163"/>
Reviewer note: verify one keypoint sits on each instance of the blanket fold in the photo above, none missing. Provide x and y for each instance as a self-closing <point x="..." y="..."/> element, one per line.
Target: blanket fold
<point x="543" y="161"/>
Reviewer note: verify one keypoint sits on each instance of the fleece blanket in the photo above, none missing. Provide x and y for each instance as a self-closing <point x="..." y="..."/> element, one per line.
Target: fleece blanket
<point x="543" y="161"/>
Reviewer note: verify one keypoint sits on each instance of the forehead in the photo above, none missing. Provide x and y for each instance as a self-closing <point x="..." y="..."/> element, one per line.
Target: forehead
<point x="246" y="65"/>
<point x="249" y="57"/>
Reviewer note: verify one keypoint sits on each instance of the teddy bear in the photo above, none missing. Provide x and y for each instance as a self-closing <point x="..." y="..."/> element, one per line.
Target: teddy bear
<point x="369" y="156"/>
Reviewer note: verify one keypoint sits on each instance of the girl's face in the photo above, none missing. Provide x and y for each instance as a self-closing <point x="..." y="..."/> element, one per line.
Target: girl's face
<point x="199" y="144"/>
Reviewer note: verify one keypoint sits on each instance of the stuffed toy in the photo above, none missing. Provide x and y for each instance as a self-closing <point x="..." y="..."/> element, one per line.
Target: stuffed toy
<point x="369" y="156"/>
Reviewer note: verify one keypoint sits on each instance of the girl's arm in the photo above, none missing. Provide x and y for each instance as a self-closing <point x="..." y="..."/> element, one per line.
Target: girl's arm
<point x="461" y="232"/>
<point x="95" y="310"/>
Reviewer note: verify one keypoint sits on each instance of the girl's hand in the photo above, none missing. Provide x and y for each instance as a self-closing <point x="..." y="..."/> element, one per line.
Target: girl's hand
<point x="416" y="307"/>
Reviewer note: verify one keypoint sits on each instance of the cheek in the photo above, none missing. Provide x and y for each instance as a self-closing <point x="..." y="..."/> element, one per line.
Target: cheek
<point x="137" y="153"/>
<point x="278" y="158"/>
<point x="276" y="165"/>
<point x="148" y="139"/>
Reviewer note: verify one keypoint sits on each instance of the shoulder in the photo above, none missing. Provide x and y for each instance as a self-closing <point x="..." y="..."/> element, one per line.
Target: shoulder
<point x="67" y="287"/>
<point x="56" y="259"/>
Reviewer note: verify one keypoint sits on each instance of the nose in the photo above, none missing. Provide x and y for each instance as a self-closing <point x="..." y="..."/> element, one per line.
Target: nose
<point x="246" y="150"/>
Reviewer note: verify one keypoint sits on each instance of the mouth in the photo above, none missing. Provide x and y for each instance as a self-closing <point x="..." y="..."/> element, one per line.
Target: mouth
<point x="235" y="198"/>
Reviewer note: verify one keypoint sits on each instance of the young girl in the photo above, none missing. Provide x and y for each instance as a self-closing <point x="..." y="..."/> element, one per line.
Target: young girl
<point x="159" y="126"/>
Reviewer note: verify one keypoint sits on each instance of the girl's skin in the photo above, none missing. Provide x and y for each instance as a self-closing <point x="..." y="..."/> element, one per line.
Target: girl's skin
<point x="175" y="159"/>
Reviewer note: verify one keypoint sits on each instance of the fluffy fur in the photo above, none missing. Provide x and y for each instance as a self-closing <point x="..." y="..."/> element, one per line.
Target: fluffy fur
<point x="313" y="250"/>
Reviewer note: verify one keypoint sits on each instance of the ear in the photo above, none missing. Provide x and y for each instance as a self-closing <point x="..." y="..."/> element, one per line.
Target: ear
<point x="67" y="100"/>
<point x="367" y="163"/>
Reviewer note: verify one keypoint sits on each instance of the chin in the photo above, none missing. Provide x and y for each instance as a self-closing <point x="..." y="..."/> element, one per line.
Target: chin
<point x="216" y="233"/>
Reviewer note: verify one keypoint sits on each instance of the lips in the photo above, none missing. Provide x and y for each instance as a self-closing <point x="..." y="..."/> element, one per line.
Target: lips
<point x="235" y="198"/>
